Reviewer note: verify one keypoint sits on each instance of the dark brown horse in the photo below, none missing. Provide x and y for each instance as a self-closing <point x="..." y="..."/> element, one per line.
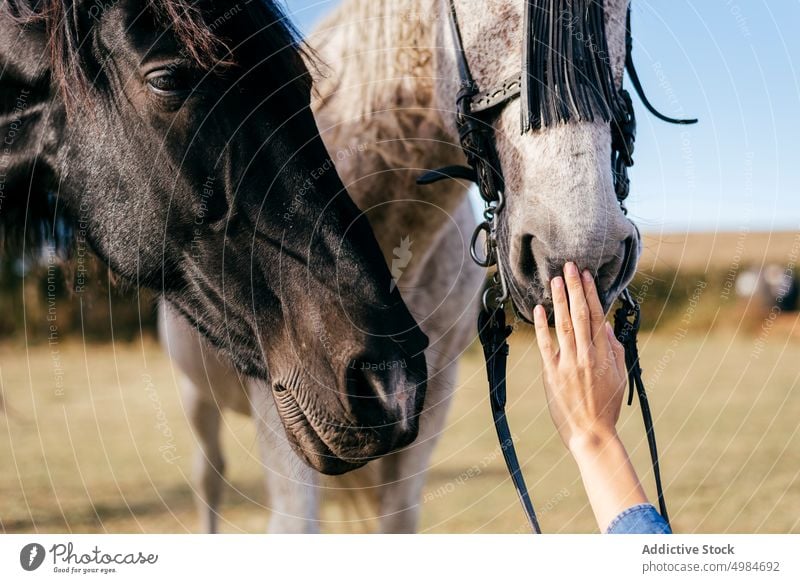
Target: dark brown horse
<point x="176" y="136"/>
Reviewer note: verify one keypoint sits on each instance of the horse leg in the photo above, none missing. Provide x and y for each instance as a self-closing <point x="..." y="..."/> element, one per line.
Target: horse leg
<point x="209" y="384"/>
<point x="209" y="464"/>
<point x="292" y="486"/>
<point x="403" y="472"/>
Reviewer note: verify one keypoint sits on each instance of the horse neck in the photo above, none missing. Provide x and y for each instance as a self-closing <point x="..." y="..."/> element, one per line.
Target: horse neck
<point x="378" y="116"/>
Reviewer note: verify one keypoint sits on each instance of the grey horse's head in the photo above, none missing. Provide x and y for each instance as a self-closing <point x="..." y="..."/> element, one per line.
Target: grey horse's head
<point x="560" y="199"/>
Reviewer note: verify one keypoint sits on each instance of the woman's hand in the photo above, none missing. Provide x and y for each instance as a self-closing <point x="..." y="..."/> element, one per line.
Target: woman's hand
<point x="585" y="376"/>
<point x="585" y="379"/>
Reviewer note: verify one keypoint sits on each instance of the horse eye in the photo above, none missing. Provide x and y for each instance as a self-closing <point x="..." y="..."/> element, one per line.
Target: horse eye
<point x="165" y="82"/>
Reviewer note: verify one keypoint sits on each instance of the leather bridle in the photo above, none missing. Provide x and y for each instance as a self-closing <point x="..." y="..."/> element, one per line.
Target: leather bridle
<point x="475" y="111"/>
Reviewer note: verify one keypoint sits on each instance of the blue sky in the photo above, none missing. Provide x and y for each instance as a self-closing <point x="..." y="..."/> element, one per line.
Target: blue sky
<point x="732" y="63"/>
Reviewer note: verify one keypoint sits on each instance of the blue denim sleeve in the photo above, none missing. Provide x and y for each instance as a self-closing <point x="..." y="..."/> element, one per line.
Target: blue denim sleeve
<point x="639" y="519"/>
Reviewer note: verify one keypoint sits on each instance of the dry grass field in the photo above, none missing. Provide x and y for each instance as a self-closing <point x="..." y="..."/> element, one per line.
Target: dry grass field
<point x="94" y="438"/>
<point x="702" y="251"/>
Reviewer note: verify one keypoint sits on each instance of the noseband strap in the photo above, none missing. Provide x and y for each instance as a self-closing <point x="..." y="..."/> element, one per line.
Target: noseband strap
<point x="475" y="112"/>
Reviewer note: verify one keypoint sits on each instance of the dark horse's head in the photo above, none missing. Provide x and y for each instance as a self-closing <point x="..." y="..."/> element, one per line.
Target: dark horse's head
<point x="175" y="137"/>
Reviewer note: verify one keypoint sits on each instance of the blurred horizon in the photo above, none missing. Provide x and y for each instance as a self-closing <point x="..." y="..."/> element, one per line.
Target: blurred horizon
<point x="730" y="65"/>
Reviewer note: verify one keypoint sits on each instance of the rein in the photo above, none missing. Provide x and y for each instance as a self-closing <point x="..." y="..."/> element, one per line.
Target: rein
<point x="474" y="112"/>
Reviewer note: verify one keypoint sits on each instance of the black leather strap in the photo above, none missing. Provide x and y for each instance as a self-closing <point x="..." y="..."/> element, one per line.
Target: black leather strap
<point x="464" y="73"/>
<point x="447" y="173"/>
<point x="627" y="319"/>
<point x="493" y="334"/>
<point x="500" y="95"/>
<point x="636" y="82"/>
<point x="527" y="57"/>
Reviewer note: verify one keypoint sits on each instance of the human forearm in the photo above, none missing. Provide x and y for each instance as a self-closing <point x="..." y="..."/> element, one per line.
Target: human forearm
<point x="608" y="475"/>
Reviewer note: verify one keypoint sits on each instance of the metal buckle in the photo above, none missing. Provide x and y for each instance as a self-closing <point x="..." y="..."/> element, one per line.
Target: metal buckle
<point x="490" y="257"/>
<point x="496" y="294"/>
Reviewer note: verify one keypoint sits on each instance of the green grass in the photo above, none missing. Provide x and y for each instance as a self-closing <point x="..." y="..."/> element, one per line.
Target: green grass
<point x="88" y="456"/>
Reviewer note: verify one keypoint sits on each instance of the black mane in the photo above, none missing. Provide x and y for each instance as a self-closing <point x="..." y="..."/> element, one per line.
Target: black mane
<point x="197" y="25"/>
<point x="206" y="30"/>
<point x="566" y="71"/>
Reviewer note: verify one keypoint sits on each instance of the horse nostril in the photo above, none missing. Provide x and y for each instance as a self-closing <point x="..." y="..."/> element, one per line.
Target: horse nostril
<point x="526" y="262"/>
<point x="356" y="382"/>
<point x="379" y="395"/>
<point x="613" y="274"/>
<point x="363" y="390"/>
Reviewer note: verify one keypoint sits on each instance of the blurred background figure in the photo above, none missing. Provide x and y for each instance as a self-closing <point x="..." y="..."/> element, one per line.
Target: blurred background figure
<point x="774" y="286"/>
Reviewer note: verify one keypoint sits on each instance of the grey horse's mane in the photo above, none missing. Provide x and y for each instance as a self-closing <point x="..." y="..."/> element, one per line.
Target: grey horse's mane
<point x="400" y="67"/>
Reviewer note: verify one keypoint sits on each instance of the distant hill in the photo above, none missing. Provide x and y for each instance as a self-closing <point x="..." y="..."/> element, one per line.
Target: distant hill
<point x="717" y="251"/>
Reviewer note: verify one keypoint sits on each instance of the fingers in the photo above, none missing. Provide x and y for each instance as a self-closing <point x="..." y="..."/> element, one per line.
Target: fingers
<point x="596" y="315"/>
<point x="579" y="309"/>
<point x="543" y="339"/>
<point x="564" y="330"/>
<point x="579" y="315"/>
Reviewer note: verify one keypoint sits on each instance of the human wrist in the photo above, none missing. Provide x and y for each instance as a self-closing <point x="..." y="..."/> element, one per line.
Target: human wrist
<point x="591" y="442"/>
<point x="607" y="473"/>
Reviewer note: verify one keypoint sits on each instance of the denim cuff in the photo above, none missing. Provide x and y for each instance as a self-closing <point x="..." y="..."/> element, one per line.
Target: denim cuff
<point x="639" y="519"/>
